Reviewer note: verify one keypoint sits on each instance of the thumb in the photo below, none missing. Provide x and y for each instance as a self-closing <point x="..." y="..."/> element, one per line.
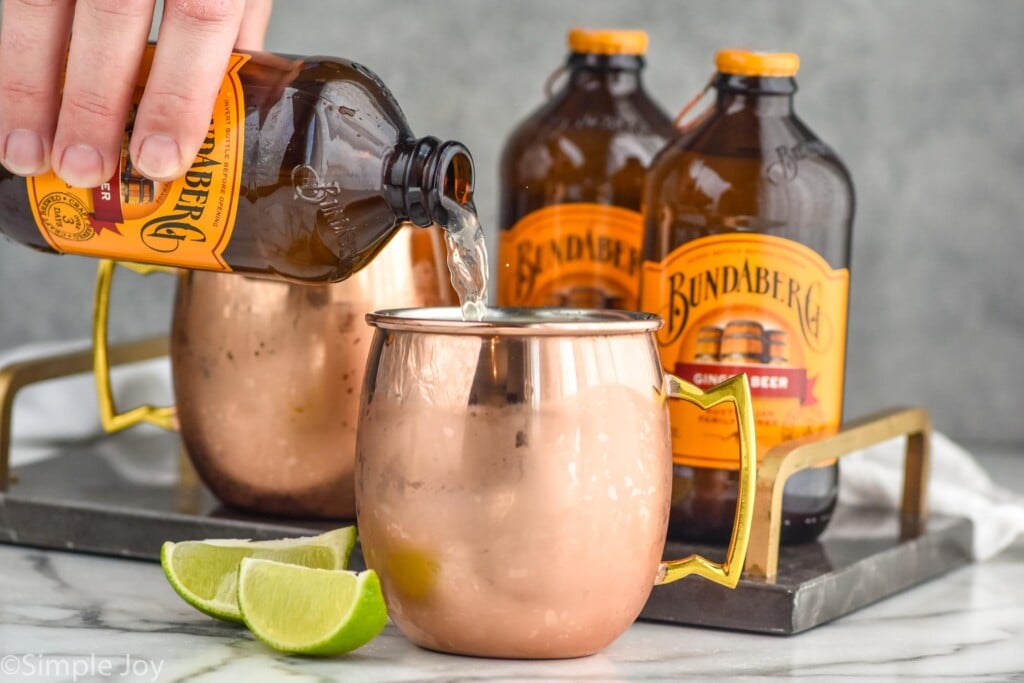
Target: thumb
<point x="254" y="25"/>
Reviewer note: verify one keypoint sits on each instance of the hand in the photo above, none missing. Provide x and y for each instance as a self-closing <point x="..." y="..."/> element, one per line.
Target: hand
<point x="78" y="134"/>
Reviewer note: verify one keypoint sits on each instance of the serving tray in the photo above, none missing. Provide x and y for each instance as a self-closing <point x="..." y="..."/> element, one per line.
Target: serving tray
<point x="864" y="555"/>
<point x="127" y="493"/>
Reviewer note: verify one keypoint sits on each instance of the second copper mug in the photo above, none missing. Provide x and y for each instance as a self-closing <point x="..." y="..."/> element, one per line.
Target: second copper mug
<point x="513" y="476"/>
<point x="267" y="375"/>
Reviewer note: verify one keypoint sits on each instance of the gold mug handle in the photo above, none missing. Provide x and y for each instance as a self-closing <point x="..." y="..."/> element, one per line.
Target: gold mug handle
<point x="112" y="420"/>
<point x="735" y="390"/>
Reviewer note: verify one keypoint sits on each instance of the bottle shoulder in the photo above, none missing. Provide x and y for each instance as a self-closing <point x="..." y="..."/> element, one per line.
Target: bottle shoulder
<point x="330" y="122"/>
<point x="777" y="178"/>
<point x="795" y="172"/>
<point x="577" y="111"/>
<point x="338" y="88"/>
<point x="587" y="133"/>
<point x="778" y="151"/>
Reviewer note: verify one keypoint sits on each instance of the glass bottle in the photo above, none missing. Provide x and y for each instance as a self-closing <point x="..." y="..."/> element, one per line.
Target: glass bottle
<point x="307" y="170"/>
<point x="747" y="247"/>
<point x="572" y="178"/>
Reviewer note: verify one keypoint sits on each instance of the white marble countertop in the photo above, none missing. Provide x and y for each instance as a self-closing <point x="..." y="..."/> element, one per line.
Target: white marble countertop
<point x="69" y="617"/>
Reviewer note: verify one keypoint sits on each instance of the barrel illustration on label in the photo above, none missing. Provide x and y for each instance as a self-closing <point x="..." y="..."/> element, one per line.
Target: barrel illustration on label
<point x="754" y="304"/>
<point x="127" y="194"/>
<point x="80" y="215"/>
<point x="722" y="345"/>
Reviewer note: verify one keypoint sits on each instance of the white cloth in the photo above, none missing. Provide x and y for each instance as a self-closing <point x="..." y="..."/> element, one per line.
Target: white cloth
<point x="52" y="414"/>
<point x="957" y="486"/>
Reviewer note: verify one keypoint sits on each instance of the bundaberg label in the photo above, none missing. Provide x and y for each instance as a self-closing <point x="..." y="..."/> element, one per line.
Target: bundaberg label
<point x="575" y="255"/>
<point x="758" y="304"/>
<point x="186" y="222"/>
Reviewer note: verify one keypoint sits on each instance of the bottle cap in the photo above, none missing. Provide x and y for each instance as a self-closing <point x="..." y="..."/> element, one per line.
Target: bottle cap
<point x="608" y="42"/>
<point x="750" y="63"/>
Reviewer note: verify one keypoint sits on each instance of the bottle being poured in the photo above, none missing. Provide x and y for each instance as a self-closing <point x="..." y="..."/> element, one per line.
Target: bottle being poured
<point x="309" y="168"/>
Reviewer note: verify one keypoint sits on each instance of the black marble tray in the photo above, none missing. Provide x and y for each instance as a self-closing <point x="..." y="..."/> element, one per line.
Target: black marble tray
<point x="122" y="495"/>
<point x="857" y="561"/>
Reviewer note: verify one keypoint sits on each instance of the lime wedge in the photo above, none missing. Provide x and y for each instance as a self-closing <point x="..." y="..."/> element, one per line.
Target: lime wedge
<point x="205" y="573"/>
<point x="310" y="611"/>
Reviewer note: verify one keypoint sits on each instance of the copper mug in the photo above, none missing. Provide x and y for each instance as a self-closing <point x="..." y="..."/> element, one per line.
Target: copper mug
<point x="267" y="375"/>
<point x="513" y="476"/>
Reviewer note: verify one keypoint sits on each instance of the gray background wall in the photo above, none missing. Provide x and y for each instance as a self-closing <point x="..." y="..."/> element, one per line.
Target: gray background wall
<point x="924" y="101"/>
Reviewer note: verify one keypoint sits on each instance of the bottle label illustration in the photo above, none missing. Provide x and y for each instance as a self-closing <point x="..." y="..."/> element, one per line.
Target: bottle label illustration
<point x="186" y="222"/>
<point x="756" y="304"/>
<point x="572" y="255"/>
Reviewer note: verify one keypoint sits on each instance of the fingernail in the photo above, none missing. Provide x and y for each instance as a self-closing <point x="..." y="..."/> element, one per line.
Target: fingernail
<point x="159" y="158"/>
<point x="23" y="152"/>
<point x="81" y="166"/>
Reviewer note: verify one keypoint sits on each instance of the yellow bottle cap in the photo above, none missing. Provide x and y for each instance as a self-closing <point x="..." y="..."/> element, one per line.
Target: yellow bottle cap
<point x="749" y="63"/>
<point x="608" y="42"/>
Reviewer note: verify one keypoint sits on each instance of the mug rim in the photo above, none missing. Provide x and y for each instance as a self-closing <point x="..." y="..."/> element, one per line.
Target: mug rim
<point x="516" y="321"/>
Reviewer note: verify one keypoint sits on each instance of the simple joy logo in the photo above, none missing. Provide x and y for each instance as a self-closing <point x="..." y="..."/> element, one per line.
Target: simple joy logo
<point x="28" y="666"/>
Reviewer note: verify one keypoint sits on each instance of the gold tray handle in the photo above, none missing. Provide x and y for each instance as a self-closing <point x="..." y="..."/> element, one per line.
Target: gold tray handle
<point x="735" y="390"/>
<point x="113" y="421"/>
<point x="20" y="374"/>
<point x="790" y="457"/>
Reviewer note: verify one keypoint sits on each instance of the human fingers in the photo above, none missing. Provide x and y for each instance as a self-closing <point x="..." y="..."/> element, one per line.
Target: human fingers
<point x="107" y="41"/>
<point x="33" y="44"/>
<point x="192" y="54"/>
<point x="254" y="25"/>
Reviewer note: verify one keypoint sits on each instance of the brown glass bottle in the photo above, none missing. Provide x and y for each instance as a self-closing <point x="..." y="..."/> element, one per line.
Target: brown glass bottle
<point x="328" y="171"/>
<point x="747" y="245"/>
<point x="572" y="178"/>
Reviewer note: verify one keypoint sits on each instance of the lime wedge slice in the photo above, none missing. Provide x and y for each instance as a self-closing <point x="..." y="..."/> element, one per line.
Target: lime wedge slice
<point x="310" y="611"/>
<point x="205" y="573"/>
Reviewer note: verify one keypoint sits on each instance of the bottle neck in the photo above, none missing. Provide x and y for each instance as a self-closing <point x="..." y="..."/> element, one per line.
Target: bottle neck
<point x="619" y="74"/>
<point x="421" y="172"/>
<point x="764" y="95"/>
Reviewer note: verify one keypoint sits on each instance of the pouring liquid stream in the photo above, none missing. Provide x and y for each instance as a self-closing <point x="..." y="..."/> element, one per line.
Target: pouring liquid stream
<point x="467" y="258"/>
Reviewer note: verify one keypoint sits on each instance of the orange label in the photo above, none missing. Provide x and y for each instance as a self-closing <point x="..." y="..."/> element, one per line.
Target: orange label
<point x="576" y="255"/>
<point x="186" y="222"/>
<point x="758" y="304"/>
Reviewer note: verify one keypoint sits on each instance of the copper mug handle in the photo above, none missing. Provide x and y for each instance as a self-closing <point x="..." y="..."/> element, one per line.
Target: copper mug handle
<point x="110" y="418"/>
<point x="735" y="390"/>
